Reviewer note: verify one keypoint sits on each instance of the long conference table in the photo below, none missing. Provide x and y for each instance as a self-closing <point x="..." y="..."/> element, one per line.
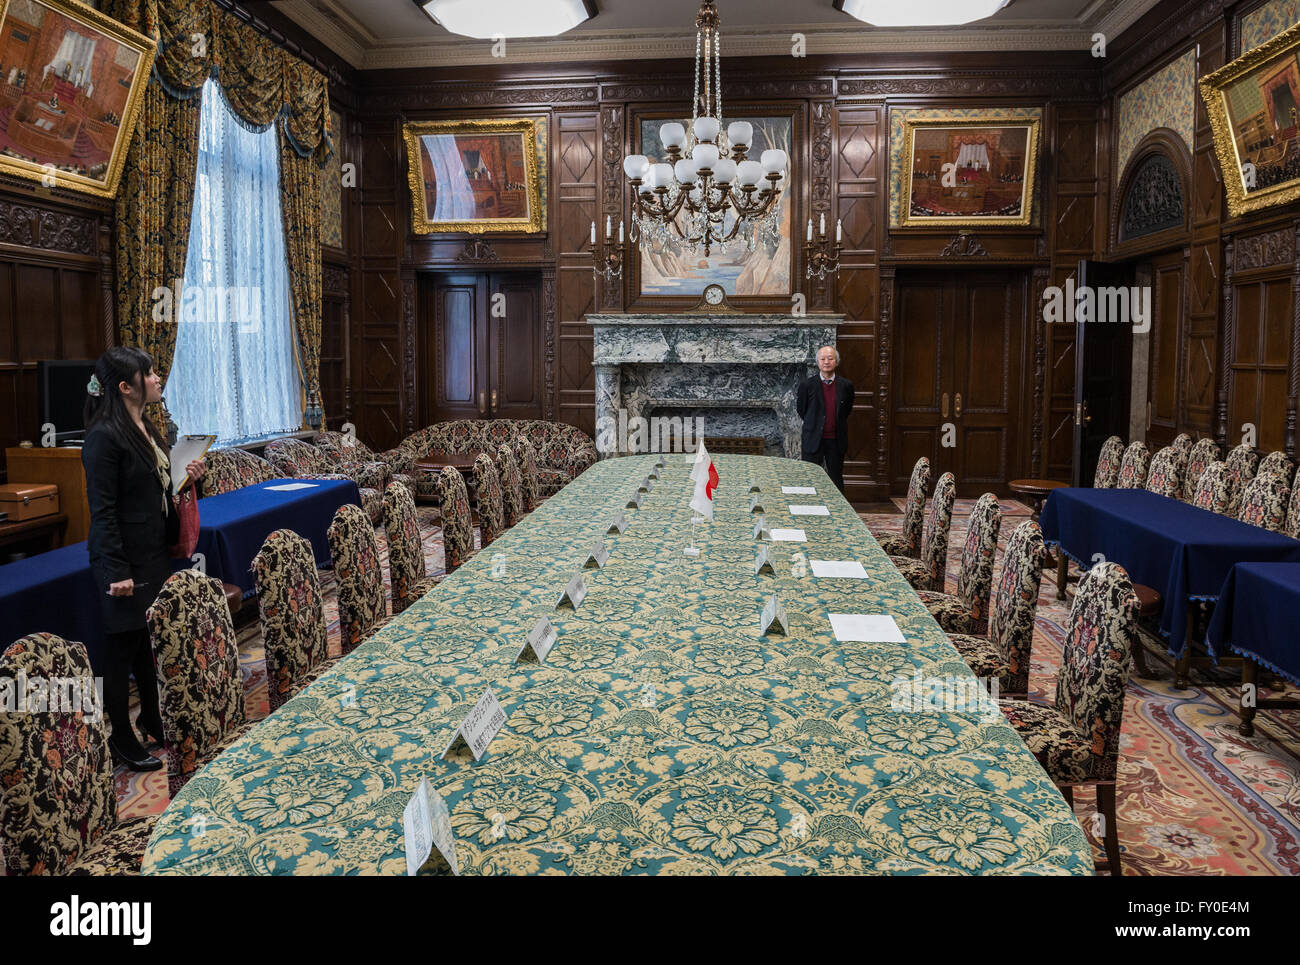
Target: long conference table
<point x="662" y="735"/>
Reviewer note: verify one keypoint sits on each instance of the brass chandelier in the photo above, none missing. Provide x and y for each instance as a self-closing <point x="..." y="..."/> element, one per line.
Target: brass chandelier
<point x="708" y="193"/>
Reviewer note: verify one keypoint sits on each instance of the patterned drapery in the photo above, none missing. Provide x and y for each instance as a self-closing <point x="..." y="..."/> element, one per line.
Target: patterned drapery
<point x="263" y="84"/>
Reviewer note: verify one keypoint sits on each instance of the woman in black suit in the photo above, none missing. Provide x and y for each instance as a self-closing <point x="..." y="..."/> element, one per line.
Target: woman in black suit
<point x="132" y="524"/>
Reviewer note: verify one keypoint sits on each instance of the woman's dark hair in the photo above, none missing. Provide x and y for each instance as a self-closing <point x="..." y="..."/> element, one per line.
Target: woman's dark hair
<point x="117" y="365"/>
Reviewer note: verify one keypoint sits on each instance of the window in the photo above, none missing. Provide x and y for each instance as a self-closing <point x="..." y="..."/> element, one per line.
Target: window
<point x="235" y="372"/>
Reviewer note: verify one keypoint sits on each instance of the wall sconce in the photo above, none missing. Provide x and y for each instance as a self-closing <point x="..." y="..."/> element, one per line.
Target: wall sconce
<point x="609" y="264"/>
<point x="821" y="257"/>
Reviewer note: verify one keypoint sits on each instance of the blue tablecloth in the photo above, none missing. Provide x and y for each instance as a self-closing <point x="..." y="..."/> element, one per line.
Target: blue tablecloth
<point x="1184" y="552"/>
<point x="55" y="592"/>
<point x="1258" y="615"/>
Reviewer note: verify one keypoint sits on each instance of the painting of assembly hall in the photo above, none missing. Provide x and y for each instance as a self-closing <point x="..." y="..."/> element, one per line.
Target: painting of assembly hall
<point x="964" y="174"/>
<point x="1264" y="107"/>
<point x="69" y="82"/>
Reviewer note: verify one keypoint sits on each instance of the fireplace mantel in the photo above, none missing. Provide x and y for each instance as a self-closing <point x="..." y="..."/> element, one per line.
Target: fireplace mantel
<point x="737" y="367"/>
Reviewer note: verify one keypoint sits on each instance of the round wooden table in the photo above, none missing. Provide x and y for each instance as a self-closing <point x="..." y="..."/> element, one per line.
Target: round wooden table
<point x="1037" y="490"/>
<point x="462" y="462"/>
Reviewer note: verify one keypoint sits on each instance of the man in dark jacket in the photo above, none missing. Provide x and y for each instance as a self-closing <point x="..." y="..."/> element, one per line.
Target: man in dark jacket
<point x="824" y="403"/>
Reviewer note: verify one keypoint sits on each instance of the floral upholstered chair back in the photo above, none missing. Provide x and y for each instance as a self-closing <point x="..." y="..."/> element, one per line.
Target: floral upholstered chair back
<point x="1183" y="443"/>
<point x="200" y="687"/>
<point x="231" y="469"/>
<point x="359" y="575"/>
<point x="1015" y="603"/>
<point x="1214" y="491"/>
<point x="512" y="485"/>
<point x="1205" y="452"/>
<point x="1095" y="662"/>
<point x="57" y="798"/>
<point x="1107" y="474"/>
<point x="526" y="455"/>
<point x="406" y="567"/>
<point x="1264" y="502"/>
<point x="1165" y="477"/>
<point x="491" y="513"/>
<point x="1278" y="462"/>
<point x="293" y="457"/>
<point x="908" y="542"/>
<point x="353" y="459"/>
<point x="934" y="536"/>
<point x="975" y="578"/>
<point x="457" y="520"/>
<point x="1242" y="462"/>
<point x="293" y="618"/>
<point x="1133" y="467"/>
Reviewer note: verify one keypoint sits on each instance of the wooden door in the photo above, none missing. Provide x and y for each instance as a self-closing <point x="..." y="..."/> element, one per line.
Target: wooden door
<point x="1165" y="340"/>
<point x="515" y="350"/>
<point x="1102" y="374"/>
<point x="922" y="375"/>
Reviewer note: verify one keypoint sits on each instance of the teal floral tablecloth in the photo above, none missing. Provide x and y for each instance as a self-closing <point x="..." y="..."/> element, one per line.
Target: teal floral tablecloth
<point x="663" y="734"/>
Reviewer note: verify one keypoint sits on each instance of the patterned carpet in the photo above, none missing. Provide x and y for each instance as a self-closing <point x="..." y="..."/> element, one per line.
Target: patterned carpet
<point x="1195" y="797"/>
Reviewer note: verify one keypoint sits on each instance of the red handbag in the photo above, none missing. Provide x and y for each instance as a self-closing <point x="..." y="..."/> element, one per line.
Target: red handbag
<point x="187" y="508"/>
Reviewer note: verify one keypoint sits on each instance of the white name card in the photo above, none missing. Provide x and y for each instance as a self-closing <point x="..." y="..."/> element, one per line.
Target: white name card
<point x="540" y="640"/>
<point x="755" y="488"/>
<point x="654" y="472"/>
<point x="789" y="536"/>
<point x="760" y="528"/>
<point x="479" y="726"/>
<point x="573" y="594"/>
<point x="865" y="628"/>
<point x="646" y="484"/>
<point x="761" y="562"/>
<point x="773" y="618"/>
<point x="291" y="487"/>
<point x="635" y="501"/>
<point x="660" y="463"/>
<point x="798" y="491"/>
<point x="617" y="525"/>
<point x="427" y="825"/>
<point x="809" y="511"/>
<point x="597" y="556"/>
<point x="841" y="569"/>
<point x="756" y="504"/>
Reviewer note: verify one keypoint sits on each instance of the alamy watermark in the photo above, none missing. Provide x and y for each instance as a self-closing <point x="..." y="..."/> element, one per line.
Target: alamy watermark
<point x="1126" y="305"/>
<point x="21" y="694"/>
<point x="624" y="435"/>
<point x="920" y="694"/>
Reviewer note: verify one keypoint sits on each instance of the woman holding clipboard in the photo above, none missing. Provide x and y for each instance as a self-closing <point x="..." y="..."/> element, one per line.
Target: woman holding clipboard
<point x="133" y="523"/>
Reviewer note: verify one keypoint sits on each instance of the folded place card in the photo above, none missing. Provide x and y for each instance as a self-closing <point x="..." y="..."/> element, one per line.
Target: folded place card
<point x="573" y="594"/>
<point x="654" y="472"/>
<point x="645" y="486"/>
<point x="290" y="487"/>
<point x="479" y="726"/>
<point x="427" y="826"/>
<point x="809" y="511"/>
<point x="789" y="536"/>
<point x="617" y="525"/>
<point x="865" y="628"/>
<point x="660" y="463"/>
<point x="773" y="618"/>
<point x="635" y="501"/>
<point x="843" y="569"/>
<point x="597" y="556"/>
<point x="761" y="562"/>
<point x="760" y="528"/>
<point x="798" y="491"/>
<point x="755" y="488"/>
<point x="540" y="640"/>
<point x="756" y="504"/>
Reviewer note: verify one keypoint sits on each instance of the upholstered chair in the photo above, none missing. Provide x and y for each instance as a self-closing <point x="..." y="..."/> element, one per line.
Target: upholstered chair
<point x="1264" y="502"/>
<point x="563" y="451"/>
<point x="908" y="543"/>
<point x="293" y="617"/>
<point x="359" y="574"/>
<point x="1292" y="528"/>
<point x="457" y="520"/>
<point x="1107" y="474"/>
<point x="200" y="686"/>
<point x="1183" y="443"/>
<point x="1279" y="462"/>
<point x="967" y="610"/>
<point x="1213" y="492"/>
<point x="231" y="469"/>
<point x="293" y="457"/>
<point x="512" y="485"/>
<point x="526" y="455"/>
<point x="349" y="455"/>
<point x="1133" y="467"/>
<point x="58" y="804"/>
<point x="1004" y="651"/>
<point x="491" y="513"/>
<point x="929" y="571"/>
<point x="1077" y="739"/>
<point x="1205" y="452"/>
<point x="1242" y="462"/>
<point x="1165" y="476"/>
<point x="407" y="573"/>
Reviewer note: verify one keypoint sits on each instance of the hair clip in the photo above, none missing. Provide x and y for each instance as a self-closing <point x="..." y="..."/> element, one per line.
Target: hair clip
<point x="93" y="387"/>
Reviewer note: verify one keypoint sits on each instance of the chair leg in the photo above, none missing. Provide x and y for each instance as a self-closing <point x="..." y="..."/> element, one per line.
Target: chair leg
<point x="1140" y="659"/>
<point x="1062" y="572"/>
<point x="1106" y="806"/>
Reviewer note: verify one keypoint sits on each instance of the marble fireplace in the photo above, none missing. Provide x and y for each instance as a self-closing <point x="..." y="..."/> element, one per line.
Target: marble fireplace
<point x="737" y="373"/>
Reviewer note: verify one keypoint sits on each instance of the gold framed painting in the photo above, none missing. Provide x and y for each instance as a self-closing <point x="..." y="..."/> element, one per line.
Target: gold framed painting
<point x="71" y="84"/>
<point x="1254" y="108"/>
<point x="473" y="176"/>
<point x="968" y="172"/>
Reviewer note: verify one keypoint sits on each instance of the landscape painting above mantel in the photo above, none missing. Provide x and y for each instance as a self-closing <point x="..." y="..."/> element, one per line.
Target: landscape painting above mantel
<point x="764" y="271"/>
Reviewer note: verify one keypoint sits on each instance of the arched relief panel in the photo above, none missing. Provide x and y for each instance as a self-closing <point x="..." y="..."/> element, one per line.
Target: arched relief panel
<point x="1150" y="211"/>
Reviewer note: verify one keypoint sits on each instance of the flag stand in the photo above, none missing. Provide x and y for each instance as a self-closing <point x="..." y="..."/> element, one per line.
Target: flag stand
<point x="693" y="550"/>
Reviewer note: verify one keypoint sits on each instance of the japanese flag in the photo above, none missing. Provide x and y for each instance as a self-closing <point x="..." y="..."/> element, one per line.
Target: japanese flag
<point x="706" y="480"/>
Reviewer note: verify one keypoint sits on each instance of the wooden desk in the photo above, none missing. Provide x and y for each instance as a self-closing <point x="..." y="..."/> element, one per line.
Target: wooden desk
<point x="62" y="467"/>
<point x="49" y="528"/>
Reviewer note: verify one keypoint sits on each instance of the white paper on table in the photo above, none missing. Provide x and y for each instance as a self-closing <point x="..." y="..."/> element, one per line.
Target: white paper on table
<point x="799" y="490"/>
<point x="865" y="628"/>
<point x="809" y="511"/>
<point x="290" y="487"/>
<point x="788" y="536"/>
<point x="844" y="569"/>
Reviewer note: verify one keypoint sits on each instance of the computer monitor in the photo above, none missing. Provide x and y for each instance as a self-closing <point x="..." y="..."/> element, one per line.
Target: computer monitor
<point x="61" y="396"/>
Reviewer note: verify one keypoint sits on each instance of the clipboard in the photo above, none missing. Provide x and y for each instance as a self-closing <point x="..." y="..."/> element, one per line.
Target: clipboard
<point x="186" y="450"/>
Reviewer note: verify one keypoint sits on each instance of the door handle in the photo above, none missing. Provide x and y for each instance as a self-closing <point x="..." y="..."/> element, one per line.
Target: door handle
<point x="494" y="400"/>
<point x="943" y="407"/>
<point x="957" y="406"/>
<point x="482" y="403"/>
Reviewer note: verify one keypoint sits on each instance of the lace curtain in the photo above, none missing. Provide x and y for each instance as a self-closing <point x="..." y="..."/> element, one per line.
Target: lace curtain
<point x="236" y="371"/>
